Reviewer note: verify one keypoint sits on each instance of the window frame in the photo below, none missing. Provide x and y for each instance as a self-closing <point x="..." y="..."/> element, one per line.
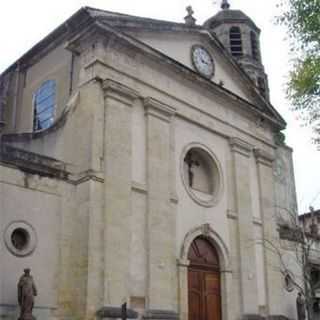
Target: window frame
<point x="255" y="50"/>
<point x="47" y="90"/>
<point x="235" y="41"/>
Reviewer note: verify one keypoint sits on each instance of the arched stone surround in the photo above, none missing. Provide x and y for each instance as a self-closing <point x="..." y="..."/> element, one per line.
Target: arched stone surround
<point x="213" y="237"/>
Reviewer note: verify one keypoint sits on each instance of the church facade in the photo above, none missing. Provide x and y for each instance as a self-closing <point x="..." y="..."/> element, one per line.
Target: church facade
<point x="142" y="162"/>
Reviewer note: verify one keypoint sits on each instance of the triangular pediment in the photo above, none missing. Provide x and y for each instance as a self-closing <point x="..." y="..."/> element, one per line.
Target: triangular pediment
<point x="176" y="40"/>
<point x="179" y="46"/>
<point x="169" y="42"/>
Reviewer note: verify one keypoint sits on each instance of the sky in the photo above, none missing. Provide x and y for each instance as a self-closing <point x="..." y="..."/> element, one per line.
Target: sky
<point x="24" y="23"/>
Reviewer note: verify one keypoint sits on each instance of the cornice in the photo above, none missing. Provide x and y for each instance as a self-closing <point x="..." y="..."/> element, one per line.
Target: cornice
<point x="263" y="157"/>
<point x="183" y="263"/>
<point x="33" y="163"/>
<point x="117" y="91"/>
<point x="158" y="109"/>
<point x="89" y="175"/>
<point x="232" y="215"/>
<point x="257" y="222"/>
<point x="179" y="101"/>
<point x="241" y="147"/>
<point x="143" y="189"/>
<point x="139" y="187"/>
<point x="192" y="75"/>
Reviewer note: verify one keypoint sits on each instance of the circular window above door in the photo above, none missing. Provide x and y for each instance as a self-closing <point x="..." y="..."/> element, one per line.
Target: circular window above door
<point x="201" y="175"/>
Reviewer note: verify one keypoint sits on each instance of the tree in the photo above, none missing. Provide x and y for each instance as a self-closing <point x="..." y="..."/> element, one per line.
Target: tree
<point x="301" y="18"/>
<point x="299" y="256"/>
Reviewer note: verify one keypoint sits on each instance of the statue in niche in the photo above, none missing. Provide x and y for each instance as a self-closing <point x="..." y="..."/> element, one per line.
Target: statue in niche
<point x="191" y="164"/>
<point x="301" y="310"/>
<point x="26" y="292"/>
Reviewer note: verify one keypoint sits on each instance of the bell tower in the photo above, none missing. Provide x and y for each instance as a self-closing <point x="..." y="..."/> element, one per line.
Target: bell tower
<point x="241" y="37"/>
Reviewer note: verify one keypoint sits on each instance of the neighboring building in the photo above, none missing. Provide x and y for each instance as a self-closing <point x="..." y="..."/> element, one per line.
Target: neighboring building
<point x="310" y="221"/>
<point x="311" y="225"/>
<point x="140" y="162"/>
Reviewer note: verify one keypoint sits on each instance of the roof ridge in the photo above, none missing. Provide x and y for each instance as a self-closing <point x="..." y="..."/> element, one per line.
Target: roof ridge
<point x="91" y="10"/>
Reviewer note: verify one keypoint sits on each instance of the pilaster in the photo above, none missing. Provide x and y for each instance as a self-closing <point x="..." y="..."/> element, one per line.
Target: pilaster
<point x="2" y="313"/>
<point x="92" y="104"/>
<point x="117" y="168"/>
<point x="161" y="219"/>
<point x="242" y="152"/>
<point x="264" y="162"/>
<point x="118" y="92"/>
<point x="95" y="249"/>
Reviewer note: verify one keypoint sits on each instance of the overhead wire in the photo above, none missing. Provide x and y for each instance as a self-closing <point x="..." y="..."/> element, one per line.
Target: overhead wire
<point x="315" y="198"/>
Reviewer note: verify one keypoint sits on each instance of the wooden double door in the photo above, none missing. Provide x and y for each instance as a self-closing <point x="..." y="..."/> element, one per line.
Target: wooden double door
<point x="204" y="290"/>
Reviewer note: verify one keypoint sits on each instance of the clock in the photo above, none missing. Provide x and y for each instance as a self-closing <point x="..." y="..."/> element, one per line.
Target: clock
<point x="202" y="61"/>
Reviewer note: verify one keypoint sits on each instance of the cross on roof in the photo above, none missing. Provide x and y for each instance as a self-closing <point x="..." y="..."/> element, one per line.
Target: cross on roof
<point x="225" y="4"/>
<point x="190" y="10"/>
<point x="189" y="19"/>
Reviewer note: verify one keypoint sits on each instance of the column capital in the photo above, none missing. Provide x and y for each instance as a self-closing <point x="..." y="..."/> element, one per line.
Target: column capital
<point x="158" y="109"/>
<point x="118" y="91"/>
<point x="240" y="146"/>
<point x="263" y="157"/>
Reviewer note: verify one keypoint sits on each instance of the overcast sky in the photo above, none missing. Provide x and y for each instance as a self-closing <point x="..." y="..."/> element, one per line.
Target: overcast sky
<point x="24" y="23"/>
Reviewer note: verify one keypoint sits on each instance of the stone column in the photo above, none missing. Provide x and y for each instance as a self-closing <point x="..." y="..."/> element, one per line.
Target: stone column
<point x="2" y="311"/>
<point x="246" y="242"/>
<point x="267" y="202"/>
<point x="183" y="265"/>
<point x="117" y="174"/>
<point x="95" y="247"/>
<point x="161" y="220"/>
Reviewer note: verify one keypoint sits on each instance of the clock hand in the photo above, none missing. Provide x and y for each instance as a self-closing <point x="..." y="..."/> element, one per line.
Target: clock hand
<point x="204" y="61"/>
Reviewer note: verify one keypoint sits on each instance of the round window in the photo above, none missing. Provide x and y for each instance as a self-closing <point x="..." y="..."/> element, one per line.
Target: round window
<point x="201" y="175"/>
<point x="20" y="238"/>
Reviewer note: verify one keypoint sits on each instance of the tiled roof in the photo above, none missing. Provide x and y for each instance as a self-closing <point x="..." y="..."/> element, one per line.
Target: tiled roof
<point x="224" y="16"/>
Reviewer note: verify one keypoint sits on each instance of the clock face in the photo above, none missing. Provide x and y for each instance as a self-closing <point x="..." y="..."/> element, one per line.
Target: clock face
<point x="202" y="61"/>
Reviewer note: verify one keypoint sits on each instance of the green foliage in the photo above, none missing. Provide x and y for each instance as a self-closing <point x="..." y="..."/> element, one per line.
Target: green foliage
<point x="302" y="20"/>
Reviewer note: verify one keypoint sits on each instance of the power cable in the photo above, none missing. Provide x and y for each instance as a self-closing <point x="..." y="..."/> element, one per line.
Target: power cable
<point x="315" y="198"/>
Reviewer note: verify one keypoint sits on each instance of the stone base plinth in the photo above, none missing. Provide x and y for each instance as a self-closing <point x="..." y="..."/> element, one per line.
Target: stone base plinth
<point x="259" y="317"/>
<point x="161" y="315"/>
<point x="115" y="313"/>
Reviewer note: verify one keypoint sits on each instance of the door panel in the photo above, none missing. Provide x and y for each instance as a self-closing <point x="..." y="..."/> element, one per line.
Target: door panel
<point x="195" y="295"/>
<point x="195" y="306"/>
<point x="212" y="296"/>
<point x="195" y="280"/>
<point x="212" y="282"/>
<point x="212" y="307"/>
<point x="204" y="295"/>
<point x="204" y="281"/>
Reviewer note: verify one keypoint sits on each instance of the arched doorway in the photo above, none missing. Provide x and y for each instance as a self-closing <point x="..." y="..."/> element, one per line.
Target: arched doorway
<point x="204" y="293"/>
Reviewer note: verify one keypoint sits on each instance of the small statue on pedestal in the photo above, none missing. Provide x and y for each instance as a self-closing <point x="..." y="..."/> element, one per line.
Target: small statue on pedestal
<point x="26" y="292"/>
